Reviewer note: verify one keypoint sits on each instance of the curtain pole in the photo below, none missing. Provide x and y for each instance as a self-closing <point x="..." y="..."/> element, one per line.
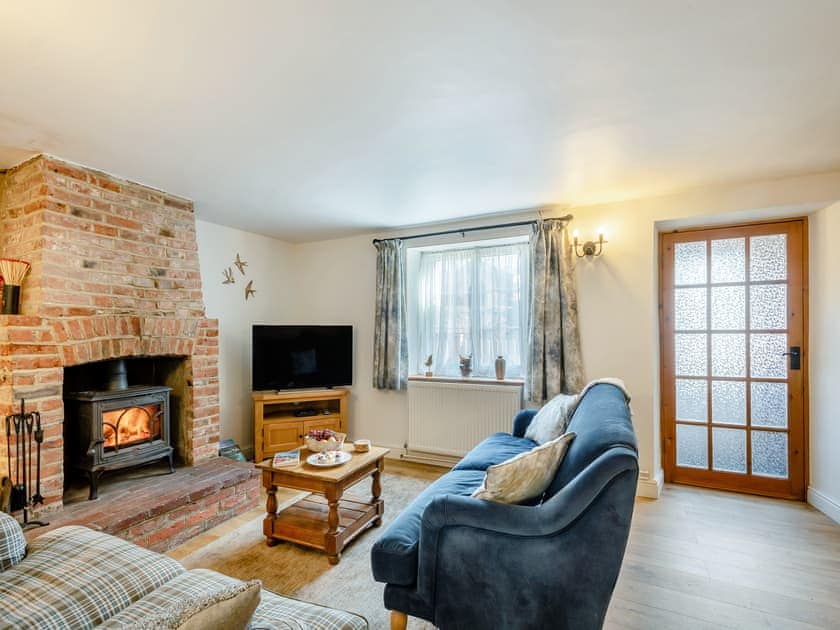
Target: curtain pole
<point x="567" y="217"/>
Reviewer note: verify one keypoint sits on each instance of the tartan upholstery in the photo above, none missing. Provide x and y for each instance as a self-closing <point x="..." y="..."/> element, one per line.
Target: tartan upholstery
<point x="12" y="542"/>
<point x="77" y="578"/>
<point x="74" y="577"/>
<point x="277" y="612"/>
<point x="194" y="584"/>
<point x="274" y="612"/>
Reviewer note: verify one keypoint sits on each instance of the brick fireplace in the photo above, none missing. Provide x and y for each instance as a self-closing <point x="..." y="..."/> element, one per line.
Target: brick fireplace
<point x="115" y="274"/>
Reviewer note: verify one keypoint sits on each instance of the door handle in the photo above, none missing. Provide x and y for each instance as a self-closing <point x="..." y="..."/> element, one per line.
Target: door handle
<point x="795" y="355"/>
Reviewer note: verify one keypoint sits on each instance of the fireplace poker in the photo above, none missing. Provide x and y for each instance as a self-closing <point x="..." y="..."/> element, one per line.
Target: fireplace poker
<point x="29" y="419"/>
<point x="37" y="498"/>
<point x="19" y="489"/>
<point x="9" y="444"/>
<point x="9" y="456"/>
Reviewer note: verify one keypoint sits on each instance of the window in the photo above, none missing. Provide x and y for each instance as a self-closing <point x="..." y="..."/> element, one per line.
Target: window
<point x="473" y="301"/>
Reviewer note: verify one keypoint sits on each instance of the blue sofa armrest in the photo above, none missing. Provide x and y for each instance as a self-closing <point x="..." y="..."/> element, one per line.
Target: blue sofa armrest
<point x="522" y="420"/>
<point x="472" y="536"/>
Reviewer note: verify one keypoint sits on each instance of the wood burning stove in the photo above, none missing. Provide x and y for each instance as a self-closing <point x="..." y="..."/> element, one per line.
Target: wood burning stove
<point x="118" y="428"/>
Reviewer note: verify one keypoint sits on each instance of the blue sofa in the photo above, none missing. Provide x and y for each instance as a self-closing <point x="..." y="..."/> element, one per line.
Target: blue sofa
<point x="467" y="563"/>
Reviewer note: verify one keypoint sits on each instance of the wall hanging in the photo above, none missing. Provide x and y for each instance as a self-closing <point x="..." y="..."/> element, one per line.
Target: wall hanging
<point x="229" y="276"/>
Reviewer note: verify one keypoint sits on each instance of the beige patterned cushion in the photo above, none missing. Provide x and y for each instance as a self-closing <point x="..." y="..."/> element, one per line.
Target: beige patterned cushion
<point x="526" y="475"/>
<point x="199" y="598"/>
<point x="230" y="609"/>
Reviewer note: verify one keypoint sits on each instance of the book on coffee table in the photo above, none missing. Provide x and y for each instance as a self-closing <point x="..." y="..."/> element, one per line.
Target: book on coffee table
<point x="286" y="458"/>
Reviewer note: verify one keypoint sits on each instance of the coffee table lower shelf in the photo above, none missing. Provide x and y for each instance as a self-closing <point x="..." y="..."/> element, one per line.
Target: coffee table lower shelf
<point x="307" y="523"/>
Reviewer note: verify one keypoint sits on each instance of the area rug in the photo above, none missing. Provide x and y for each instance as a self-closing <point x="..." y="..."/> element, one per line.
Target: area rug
<point x="306" y="574"/>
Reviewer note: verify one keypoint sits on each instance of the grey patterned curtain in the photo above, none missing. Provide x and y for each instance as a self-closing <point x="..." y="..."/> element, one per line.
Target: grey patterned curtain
<point x="555" y="365"/>
<point x="390" y="347"/>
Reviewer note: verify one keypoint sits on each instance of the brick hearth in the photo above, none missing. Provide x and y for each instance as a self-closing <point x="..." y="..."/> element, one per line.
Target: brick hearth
<point x="115" y="273"/>
<point x="171" y="510"/>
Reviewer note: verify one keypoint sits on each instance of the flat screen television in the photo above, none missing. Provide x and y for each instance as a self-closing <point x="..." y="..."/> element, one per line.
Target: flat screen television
<point x="296" y="357"/>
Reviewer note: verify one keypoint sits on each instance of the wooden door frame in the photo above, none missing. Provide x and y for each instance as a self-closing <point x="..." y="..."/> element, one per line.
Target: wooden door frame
<point x="667" y="422"/>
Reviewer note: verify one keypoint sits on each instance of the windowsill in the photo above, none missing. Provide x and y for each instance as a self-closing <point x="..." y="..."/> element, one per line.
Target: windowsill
<point x="512" y="382"/>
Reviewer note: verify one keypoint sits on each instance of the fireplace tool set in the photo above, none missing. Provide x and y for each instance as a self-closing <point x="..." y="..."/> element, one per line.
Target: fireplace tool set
<point x="26" y="428"/>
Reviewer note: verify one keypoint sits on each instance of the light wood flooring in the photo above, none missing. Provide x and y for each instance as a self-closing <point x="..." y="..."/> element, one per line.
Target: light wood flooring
<point x="703" y="559"/>
<point x="706" y="559"/>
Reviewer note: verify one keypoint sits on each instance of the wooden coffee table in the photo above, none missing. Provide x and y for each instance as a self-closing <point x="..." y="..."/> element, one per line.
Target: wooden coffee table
<point x="325" y="520"/>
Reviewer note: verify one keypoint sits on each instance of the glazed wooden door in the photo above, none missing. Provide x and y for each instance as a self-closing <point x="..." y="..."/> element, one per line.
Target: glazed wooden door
<point x="734" y="357"/>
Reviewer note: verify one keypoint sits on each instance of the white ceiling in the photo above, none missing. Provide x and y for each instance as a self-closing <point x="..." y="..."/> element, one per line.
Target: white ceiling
<point x="312" y="119"/>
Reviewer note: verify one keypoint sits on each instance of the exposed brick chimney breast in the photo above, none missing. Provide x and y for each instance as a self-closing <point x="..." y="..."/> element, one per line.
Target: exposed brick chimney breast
<point x="115" y="273"/>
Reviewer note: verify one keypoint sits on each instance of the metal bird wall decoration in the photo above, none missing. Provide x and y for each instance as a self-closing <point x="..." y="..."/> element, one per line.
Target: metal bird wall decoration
<point x="249" y="290"/>
<point x="240" y="264"/>
<point x="228" y="273"/>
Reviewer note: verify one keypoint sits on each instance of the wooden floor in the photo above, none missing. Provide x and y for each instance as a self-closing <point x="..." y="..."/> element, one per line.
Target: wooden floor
<point x="706" y="559"/>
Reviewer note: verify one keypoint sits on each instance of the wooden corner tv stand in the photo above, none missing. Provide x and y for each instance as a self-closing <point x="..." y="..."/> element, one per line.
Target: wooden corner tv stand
<point x="280" y="423"/>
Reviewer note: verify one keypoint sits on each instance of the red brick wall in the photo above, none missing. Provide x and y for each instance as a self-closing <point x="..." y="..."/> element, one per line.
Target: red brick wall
<point x="115" y="273"/>
<point x="22" y="198"/>
<point x="99" y="243"/>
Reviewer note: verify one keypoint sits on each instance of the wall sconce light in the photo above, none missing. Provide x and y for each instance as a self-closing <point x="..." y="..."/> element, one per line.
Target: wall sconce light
<point x="589" y="248"/>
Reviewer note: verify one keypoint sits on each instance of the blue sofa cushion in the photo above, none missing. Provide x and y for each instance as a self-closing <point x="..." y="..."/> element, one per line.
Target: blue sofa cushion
<point x="601" y="421"/>
<point x="495" y="449"/>
<point x="394" y="555"/>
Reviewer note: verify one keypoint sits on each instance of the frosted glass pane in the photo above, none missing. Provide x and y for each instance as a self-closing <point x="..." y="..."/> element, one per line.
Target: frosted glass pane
<point x="690" y="354"/>
<point x="690" y="263"/>
<point x="768" y="257"/>
<point x="729" y="450"/>
<point x="729" y="354"/>
<point x="768" y="306"/>
<point x="690" y="309"/>
<point x="692" y="403"/>
<point x="692" y="446"/>
<point x="769" y="404"/>
<point x="766" y="360"/>
<point x="770" y="454"/>
<point x="728" y="260"/>
<point x="729" y="402"/>
<point x="728" y="308"/>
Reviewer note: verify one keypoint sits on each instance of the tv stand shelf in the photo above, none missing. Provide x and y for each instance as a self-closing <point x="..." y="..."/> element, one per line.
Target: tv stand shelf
<point x="277" y="428"/>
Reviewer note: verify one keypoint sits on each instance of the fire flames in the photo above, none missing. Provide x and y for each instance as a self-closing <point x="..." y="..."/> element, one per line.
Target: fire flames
<point x="124" y="427"/>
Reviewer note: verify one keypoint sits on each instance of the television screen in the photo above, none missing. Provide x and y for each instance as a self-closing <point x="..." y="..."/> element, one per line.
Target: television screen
<point x="292" y="357"/>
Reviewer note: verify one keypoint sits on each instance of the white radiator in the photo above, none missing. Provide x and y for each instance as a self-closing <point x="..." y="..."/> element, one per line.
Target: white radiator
<point x="447" y="418"/>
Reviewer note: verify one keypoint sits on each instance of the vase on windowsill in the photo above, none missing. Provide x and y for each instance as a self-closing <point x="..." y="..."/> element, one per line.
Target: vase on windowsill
<point x="500" y="368"/>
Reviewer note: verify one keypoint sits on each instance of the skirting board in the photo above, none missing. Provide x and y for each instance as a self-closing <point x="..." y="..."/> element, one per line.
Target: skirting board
<point x="418" y="457"/>
<point x="432" y="459"/>
<point x="824" y="504"/>
<point x="395" y="452"/>
<point x="650" y="488"/>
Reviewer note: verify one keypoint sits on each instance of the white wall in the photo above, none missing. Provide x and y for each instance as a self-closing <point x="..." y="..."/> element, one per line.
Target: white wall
<point x="332" y="282"/>
<point x="271" y="267"/>
<point x="336" y="285"/>
<point x="617" y="295"/>
<point x="824" y="348"/>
